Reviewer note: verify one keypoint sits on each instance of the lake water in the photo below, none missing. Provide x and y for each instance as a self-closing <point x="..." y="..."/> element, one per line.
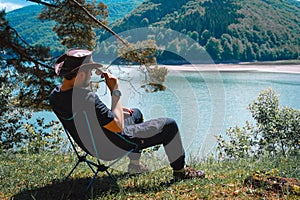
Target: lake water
<point x="205" y="104"/>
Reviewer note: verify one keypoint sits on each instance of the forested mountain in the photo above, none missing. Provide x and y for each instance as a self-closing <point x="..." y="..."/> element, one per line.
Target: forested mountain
<point x="34" y="31"/>
<point x="230" y="30"/>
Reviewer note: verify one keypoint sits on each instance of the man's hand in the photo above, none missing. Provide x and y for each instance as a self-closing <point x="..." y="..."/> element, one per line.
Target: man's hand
<point x="112" y="82"/>
<point x="127" y="112"/>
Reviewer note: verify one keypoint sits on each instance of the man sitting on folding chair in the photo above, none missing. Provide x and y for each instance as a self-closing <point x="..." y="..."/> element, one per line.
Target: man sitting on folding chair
<point x="72" y="97"/>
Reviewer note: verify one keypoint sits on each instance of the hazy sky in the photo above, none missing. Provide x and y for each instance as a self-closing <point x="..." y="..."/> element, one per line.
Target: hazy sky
<point x="10" y="5"/>
<point x="13" y="4"/>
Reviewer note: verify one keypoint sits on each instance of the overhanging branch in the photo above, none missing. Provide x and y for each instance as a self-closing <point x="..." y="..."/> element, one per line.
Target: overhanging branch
<point x="43" y="3"/>
<point x="16" y="49"/>
<point x="99" y="22"/>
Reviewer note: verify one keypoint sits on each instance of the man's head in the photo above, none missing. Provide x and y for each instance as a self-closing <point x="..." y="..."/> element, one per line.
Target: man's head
<point x="77" y="63"/>
<point x="74" y="61"/>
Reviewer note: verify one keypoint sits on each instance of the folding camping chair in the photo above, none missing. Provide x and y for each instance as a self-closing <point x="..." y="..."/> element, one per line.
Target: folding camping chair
<point x="96" y="167"/>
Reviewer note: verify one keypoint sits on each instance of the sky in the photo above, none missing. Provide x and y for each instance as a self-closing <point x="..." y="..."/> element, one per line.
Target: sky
<point x="10" y="5"/>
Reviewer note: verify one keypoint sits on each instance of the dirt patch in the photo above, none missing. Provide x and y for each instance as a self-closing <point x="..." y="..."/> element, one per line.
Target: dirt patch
<point x="275" y="183"/>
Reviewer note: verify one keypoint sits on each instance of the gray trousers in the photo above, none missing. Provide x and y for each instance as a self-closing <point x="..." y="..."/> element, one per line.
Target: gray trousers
<point x="154" y="132"/>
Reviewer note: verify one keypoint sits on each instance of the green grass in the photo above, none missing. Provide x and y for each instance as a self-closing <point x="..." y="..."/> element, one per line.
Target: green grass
<point x="42" y="177"/>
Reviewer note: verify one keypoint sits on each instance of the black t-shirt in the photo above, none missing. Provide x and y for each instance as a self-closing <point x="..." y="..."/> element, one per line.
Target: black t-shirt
<point x="83" y="114"/>
<point x="61" y="102"/>
<point x="71" y="103"/>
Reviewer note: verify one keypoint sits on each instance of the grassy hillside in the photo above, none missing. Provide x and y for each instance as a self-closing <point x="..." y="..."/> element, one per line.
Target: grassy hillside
<point x="42" y="176"/>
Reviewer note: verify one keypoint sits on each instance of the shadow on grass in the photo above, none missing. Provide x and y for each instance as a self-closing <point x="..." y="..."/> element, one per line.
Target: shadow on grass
<point x="76" y="189"/>
<point x="71" y="189"/>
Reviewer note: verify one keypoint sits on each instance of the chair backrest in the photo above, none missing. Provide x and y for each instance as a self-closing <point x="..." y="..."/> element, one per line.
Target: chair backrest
<point x="100" y="143"/>
<point x="70" y="129"/>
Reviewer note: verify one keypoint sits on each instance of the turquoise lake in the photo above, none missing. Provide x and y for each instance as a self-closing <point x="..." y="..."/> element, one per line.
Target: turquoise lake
<point x="205" y="104"/>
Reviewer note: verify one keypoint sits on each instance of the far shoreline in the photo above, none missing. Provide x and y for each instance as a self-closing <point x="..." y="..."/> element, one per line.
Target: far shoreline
<point x="288" y="66"/>
<point x="239" y="67"/>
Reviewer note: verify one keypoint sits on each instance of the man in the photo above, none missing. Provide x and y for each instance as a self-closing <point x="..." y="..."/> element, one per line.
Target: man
<point x="72" y="97"/>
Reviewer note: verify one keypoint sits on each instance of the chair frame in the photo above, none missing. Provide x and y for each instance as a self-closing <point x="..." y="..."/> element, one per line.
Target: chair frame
<point x="95" y="167"/>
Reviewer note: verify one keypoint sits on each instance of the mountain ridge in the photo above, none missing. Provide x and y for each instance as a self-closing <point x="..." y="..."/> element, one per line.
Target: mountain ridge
<point x="229" y="30"/>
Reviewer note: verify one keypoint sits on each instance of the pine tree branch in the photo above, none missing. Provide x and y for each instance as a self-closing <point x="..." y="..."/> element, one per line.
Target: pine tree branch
<point x="89" y="15"/>
<point x="43" y="3"/>
<point x="99" y="22"/>
<point x="42" y="88"/>
<point x="22" y="52"/>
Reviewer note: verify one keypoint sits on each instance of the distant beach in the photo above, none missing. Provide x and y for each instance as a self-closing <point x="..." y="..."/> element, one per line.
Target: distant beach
<point x="243" y="67"/>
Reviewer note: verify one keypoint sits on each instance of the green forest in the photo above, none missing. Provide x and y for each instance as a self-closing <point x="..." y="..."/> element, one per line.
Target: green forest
<point x="229" y="30"/>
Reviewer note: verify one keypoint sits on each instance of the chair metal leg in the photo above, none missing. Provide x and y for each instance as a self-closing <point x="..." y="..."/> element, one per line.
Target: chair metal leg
<point x="102" y="168"/>
<point x="112" y="178"/>
<point x="73" y="169"/>
<point x="92" y="180"/>
<point x="80" y="159"/>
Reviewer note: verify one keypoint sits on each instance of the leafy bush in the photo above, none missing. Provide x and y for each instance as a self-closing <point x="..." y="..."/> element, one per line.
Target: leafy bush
<point x="19" y="132"/>
<point x="10" y="118"/>
<point x="277" y="130"/>
<point x="241" y="144"/>
<point x="41" y="136"/>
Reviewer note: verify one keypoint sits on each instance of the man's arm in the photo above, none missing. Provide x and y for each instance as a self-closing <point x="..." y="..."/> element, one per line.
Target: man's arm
<point x="117" y="124"/>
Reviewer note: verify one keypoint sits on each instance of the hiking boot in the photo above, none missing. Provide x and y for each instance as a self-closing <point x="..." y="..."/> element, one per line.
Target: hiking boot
<point x="137" y="169"/>
<point x="188" y="173"/>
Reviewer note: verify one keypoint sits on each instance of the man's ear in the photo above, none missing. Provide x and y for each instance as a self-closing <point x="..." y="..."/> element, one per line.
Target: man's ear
<point x="79" y="78"/>
<point x="81" y="75"/>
